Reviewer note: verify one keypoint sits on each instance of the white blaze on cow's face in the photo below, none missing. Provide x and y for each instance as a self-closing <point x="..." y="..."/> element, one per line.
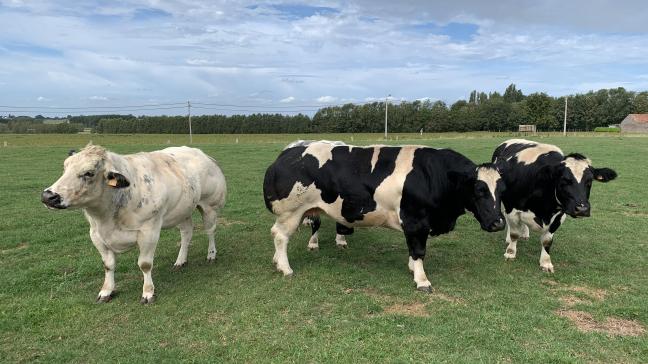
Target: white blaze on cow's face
<point x="577" y="167"/>
<point x="574" y="180"/>
<point x="85" y="177"/>
<point x="490" y="177"/>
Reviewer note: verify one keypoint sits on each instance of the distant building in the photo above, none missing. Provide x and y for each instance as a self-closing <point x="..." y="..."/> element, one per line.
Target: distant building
<point x="635" y="123"/>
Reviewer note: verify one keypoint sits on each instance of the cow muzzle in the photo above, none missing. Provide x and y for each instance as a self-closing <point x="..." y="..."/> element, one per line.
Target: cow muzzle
<point x="52" y="200"/>
<point x="497" y="225"/>
<point x="582" y="210"/>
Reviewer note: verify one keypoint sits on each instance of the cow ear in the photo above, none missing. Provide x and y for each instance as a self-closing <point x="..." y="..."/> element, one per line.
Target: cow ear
<point x="117" y="180"/>
<point x="603" y="174"/>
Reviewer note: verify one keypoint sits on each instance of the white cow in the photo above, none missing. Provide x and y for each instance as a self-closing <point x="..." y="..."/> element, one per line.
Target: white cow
<point x="127" y="199"/>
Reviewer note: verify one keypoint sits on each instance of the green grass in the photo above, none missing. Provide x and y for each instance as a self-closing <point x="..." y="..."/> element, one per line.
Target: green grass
<point x="603" y="129"/>
<point x="353" y="305"/>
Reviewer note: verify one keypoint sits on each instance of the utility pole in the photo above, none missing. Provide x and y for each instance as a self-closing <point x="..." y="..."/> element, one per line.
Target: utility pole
<point x="386" y="98"/>
<point x="189" y="113"/>
<point x="565" y="121"/>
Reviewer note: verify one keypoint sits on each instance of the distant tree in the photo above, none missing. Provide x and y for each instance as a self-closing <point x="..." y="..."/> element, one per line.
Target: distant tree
<point x="640" y="103"/>
<point x="539" y="108"/>
<point x="512" y="94"/>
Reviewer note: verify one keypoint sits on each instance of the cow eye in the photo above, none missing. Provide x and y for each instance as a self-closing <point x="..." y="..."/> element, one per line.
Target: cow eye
<point x="88" y="174"/>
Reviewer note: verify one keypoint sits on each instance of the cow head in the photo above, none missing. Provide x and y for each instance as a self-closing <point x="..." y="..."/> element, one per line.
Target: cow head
<point x="572" y="179"/>
<point x="87" y="175"/>
<point x="482" y="190"/>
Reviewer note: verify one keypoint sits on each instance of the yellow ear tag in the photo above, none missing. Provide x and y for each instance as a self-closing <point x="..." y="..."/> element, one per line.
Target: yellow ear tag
<point x="600" y="178"/>
<point x="112" y="182"/>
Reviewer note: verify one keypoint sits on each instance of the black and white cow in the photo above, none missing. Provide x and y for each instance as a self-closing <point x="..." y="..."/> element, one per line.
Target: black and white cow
<point x="418" y="190"/>
<point x="542" y="187"/>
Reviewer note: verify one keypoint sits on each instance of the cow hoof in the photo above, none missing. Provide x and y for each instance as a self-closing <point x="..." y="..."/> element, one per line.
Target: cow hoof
<point x="341" y="246"/>
<point x="105" y="299"/>
<point x="426" y="289"/>
<point x="509" y="256"/>
<point x="211" y="260"/>
<point x="146" y="301"/>
<point x="177" y="267"/>
<point x="313" y="248"/>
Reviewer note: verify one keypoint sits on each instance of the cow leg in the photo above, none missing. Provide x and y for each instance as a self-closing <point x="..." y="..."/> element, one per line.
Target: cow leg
<point x="209" y="217"/>
<point x="416" y="242"/>
<point x="545" y="260"/>
<point x="282" y="229"/>
<point x="340" y="236"/>
<point x="108" y="257"/>
<point x="147" y="242"/>
<point x="315" y="223"/>
<point x="513" y="229"/>
<point x="186" y="231"/>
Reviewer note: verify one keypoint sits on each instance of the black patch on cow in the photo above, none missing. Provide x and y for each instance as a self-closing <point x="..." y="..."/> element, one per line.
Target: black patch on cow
<point x="343" y="230"/>
<point x="576" y="156"/>
<point x="432" y="199"/>
<point x="556" y="223"/>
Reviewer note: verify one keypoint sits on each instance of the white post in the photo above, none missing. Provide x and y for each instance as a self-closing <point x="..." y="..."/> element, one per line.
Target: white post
<point x="565" y="121"/>
<point x="189" y="113"/>
<point x="386" y="98"/>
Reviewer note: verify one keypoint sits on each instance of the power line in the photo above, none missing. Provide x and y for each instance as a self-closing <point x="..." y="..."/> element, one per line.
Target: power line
<point x="89" y="107"/>
<point x="81" y="110"/>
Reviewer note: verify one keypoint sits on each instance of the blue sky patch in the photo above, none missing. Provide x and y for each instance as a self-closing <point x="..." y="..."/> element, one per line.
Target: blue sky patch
<point x="143" y="14"/>
<point x="457" y="32"/>
<point x="31" y="49"/>
<point x="296" y="11"/>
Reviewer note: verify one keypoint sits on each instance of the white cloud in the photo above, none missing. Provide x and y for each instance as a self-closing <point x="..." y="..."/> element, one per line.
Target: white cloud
<point x="98" y="98"/>
<point x="287" y="99"/>
<point x="41" y="98"/>
<point x="326" y="99"/>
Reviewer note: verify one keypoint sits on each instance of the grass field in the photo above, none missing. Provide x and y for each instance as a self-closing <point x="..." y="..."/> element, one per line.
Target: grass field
<point x="353" y="305"/>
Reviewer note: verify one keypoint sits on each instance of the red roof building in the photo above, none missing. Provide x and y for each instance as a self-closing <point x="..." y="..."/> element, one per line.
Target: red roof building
<point x="635" y="123"/>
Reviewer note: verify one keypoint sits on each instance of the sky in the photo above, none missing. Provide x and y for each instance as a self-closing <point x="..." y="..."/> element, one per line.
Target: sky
<point x="73" y="57"/>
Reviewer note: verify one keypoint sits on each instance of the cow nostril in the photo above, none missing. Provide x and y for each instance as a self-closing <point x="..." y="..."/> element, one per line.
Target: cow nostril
<point x="50" y="197"/>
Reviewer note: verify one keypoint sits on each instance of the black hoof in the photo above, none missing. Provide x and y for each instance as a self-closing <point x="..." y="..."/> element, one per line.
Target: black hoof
<point x="146" y="301"/>
<point x="425" y="289"/>
<point x="105" y="299"/>
<point x="341" y="246"/>
<point x="313" y="249"/>
<point x="178" y="267"/>
<point x="211" y="260"/>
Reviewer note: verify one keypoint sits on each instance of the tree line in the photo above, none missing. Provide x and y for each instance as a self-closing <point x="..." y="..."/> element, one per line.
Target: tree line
<point x="482" y="111"/>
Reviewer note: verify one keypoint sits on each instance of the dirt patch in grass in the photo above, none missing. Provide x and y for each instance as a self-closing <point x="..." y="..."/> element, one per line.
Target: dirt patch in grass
<point x="571" y="301"/>
<point x="635" y="213"/>
<point x="22" y="245"/>
<point x="585" y="322"/>
<point x="385" y="298"/>
<point x="414" y="309"/>
<point x="447" y="298"/>
<point x="594" y="293"/>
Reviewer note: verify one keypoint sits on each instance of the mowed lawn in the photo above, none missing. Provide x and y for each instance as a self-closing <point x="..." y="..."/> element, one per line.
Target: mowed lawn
<point x="353" y="305"/>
